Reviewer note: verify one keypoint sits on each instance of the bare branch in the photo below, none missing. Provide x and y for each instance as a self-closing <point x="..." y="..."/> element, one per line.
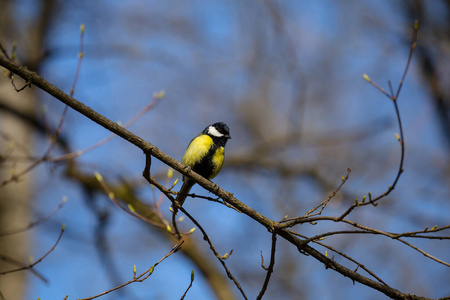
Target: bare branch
<point x="270" y="268"/>
<point x="153" y="102"/>
<point x="190" y="285"/>
<point x="37" y="222"/>
<point x="40" y="259"/>
<point x="142" y="276"/>
<point x="129" y="211"/>
<point x="359" y="265"/>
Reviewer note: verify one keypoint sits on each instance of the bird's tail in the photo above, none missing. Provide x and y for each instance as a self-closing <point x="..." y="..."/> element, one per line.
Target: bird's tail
<point x="185" y="188"/>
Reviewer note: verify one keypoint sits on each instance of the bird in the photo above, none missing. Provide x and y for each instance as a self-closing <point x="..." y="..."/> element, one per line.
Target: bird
<point x="204" y="155"/>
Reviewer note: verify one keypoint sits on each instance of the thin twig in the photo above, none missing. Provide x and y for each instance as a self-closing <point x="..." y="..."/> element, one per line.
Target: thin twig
<point x="141" y="277"/>
<point x="21" y="264"/>
<point x="270" y="268"/>
<point x="174" y="223"/>
<point x="155" y="100"/>
<point x="413" y="47"/>
<point x="213" y="249"/>
<point x="401" y="138"/>
<point x="323" y="204"/>
<point x="80" y="58"/>
<point x="35" y="223"/>
<point x="345" y="256"/>
<point x="190" y="285"/>
<point x="40" y="259"/>
<point x="113" y="199"/>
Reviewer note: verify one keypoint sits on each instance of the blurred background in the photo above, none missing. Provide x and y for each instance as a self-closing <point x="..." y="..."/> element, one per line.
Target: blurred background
<point x="286" y="76"/>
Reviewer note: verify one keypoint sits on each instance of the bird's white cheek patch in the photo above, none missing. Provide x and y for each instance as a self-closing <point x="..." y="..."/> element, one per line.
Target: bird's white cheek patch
<point x="214" y="132"/>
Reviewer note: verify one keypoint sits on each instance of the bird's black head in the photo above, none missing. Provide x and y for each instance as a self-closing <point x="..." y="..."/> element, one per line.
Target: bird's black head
<point x="218" y="130"/>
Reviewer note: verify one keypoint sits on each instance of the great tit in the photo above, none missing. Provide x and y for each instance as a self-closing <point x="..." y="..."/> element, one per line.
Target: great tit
<point x="204" y="155"/>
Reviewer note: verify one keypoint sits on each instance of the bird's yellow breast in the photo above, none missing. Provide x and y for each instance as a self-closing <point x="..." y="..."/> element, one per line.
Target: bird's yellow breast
<point x="196" y="150"/>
